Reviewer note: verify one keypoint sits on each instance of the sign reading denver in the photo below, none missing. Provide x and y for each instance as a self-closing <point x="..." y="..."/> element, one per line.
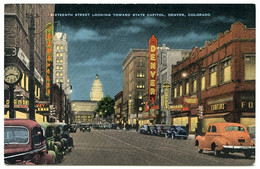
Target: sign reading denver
<point x="152" y="69"/>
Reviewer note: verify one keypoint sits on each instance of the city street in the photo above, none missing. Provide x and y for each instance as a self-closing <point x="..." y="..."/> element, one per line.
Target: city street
<point x="119" y="147"/>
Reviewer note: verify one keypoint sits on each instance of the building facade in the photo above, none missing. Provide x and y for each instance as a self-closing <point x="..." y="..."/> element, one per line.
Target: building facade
<point x="83" y="110"/>
<point x="220" y="78"/>
<point x="119" y="116"/>
<point x="166" y="58"/>
<point x="135" y="83"/>
<point x="17" y="51"/>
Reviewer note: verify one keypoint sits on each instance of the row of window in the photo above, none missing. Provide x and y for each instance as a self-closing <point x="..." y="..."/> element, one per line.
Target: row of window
<point x="59" y="74"/>
<point x="140" y="73"/>
<point x="59" y="67"/>
<point x="213" y="74"/>
<point x="59" y="54"/>
<point x="59" y="60"/>
<point x="24" y="83"/>
<point x="59" y="80"/>
<point x="59" y="47"/>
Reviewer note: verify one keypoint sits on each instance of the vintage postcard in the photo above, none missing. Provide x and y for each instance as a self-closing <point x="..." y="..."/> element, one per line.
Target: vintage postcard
<point x="129" y="84"/>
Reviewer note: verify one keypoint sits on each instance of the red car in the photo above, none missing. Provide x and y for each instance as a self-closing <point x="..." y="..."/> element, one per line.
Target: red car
<point x="24" y="143"/>
<point x="227" y="138"/>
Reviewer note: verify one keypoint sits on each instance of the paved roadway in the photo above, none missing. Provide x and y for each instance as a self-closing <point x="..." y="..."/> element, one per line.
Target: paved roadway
<point x="118" y="147"/>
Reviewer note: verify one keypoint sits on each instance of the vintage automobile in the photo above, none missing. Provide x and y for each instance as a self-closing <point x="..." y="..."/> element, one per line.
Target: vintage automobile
<point x="66" y="140"/>
<point x="177" y="131"/>
<point x="144" y="129"/>
<point x="226" y="137"/>
<point x="73" y="128"/>
<point x="85" y="127"/>
<point x="53" y="147"/>
<point x="24" y="143"/>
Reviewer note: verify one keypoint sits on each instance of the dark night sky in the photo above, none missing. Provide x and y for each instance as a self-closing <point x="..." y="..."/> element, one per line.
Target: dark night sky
<point x="98" y="44"/>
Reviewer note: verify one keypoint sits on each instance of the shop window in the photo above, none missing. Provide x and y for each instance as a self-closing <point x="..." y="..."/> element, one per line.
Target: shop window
<point x="39" y="92"/>
<point x="22" y="81"/>
<point x="213" y="76"/>
<point x="226" y="71"/>
<point x="175" y="92"/>
<point x="249" y="67"/>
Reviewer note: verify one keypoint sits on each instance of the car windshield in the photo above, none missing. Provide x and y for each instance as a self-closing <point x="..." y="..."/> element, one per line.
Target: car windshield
<point x="166" y="127"/>
<point x="234" y="128"/>
<point x="16" y="135"/>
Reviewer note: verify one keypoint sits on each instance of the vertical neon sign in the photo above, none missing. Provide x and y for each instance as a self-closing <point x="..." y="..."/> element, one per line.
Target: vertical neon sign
<point x="152" y="89"/>
<point x="49" y="38"/>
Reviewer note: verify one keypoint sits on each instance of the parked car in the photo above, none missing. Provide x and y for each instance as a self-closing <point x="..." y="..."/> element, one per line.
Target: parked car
<point x="24" y="143"/>
<point x="162" y="129"/>
<point x="144" y="129"/>
<point x="67" y="141"/>
<point x="53" y="147"/>
<point x="85" y="127"/>
<point x="251" y="131"/>
<point x="226" y="137"/>
<point x="177" y="131"/>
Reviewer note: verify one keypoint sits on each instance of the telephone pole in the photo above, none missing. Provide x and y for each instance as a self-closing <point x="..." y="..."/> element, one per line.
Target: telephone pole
<point x="31" y="73"/>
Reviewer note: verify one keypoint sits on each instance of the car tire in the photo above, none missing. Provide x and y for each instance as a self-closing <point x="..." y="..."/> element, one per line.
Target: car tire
<point x="185" y="138"/>
<point x="248" y="154"/>
<point x="216" y="152"/>
<point x="199" y="150"/>
<point x="173" y="136"/>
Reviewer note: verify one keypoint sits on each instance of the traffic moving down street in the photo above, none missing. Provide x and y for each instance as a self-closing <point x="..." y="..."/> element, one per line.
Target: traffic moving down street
<point x="120" y="147"/>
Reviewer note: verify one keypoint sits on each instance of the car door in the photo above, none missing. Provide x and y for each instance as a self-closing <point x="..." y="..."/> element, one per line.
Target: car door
<point x="210" y="136"/>
<point x="207" y="139"/>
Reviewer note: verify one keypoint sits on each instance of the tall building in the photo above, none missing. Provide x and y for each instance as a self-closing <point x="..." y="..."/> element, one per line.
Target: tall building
<point x="17" y="51"/>
<point x="118" y="108"/>
<point x="96" y="93"/>
<point x="166" y="58"/>
<point x="135" y="83"/>
<point x="60" y="61"/>
<point x="219" y="78"/>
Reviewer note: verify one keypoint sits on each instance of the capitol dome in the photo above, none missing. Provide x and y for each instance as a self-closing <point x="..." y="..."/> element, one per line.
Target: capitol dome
<point x="96" y="93"/>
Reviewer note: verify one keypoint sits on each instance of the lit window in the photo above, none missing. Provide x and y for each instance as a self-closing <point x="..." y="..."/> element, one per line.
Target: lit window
<point x="61" y="54"/>
<point x="203" y="81"/>
<point x="226" y="71"/>
<point x="61" y="67"/>
<point x="57" y="67"/>
<point x="187" y="88"/>
<point x="58" y="47"/>
<point x="57" y="54"/>
<point x="61" y="60"/>
<point x="57" y="61"/>
<point x="180" y="88"/>
<point x="175" y="92"/>
<point x="22" y="81"/>
<point x="61" y="74"/>
<point x="213" y="76"/>
<point x="61" y="80"/>
<point x="250" y="67"/>
<point x="141" y="63"/>
<point x="61" y="47"/>
<point x="57" y="80"/>
<point x="57" y="74"/>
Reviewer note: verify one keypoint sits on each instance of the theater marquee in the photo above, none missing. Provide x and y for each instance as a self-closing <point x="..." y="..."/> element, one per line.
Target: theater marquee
<point x="152" y="90"/>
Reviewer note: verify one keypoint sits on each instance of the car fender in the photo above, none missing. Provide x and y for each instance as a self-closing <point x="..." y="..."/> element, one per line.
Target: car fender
<point x="199" y="140"/>
<point x="219" y="142"/>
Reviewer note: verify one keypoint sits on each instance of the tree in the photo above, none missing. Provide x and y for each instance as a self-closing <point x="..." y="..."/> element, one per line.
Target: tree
<point x="106" y="106"/>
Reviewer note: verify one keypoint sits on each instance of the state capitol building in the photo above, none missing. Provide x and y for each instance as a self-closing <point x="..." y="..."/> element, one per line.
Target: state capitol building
<point x="84" y="110"/>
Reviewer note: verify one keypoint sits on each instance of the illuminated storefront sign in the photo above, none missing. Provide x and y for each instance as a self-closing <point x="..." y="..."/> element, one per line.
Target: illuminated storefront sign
<point x="49" y="38"/>
<point x="152" y="89"/>
<point x="190" y="100"/>
<point x="42" y="108"/>
<point x="166" y="87"/>
<point x="18" y="103"/>
<point x="216" y="107"/>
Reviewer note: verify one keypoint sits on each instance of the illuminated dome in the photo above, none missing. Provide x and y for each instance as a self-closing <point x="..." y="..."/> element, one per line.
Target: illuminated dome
<point x="96" y="93"/>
